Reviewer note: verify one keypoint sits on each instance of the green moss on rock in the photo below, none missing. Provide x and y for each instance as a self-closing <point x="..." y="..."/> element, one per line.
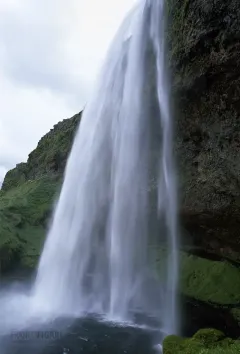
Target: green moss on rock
<point x="177" y="345"/>
<point x="208" y="336"/>
<point x="205" y="341"/>
<point x="210" y="281"/>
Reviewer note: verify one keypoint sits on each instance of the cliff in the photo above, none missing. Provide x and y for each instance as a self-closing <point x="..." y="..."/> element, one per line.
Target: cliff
<point x="204" y="55"/>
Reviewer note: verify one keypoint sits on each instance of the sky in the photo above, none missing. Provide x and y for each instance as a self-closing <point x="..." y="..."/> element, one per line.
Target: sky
<point x="50" y="54"/>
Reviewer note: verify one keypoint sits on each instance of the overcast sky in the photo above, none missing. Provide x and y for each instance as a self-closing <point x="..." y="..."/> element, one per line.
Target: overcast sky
<point x="50" y="54"/>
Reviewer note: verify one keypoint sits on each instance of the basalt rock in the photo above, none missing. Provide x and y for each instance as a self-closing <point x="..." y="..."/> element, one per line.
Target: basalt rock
<point x="204" y="43"/>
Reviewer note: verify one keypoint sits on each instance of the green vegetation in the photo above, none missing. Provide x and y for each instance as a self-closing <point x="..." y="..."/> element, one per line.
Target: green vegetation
<point x="50" y="156"/>
<point x="211" y="281"/>
<point x="24" y="214"/>
<point x="27" y="196"/>
<point x="205" y="341"/>
<point x="15" y="177"/>
<point x="206" y="280"/>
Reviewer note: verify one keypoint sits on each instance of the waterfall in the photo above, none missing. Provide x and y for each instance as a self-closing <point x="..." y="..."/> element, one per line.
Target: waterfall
<point x="96" y="258"/>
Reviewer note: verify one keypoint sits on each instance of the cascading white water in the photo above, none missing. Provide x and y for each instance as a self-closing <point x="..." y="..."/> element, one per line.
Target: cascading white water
<point x="167" y="174"/>
<point x="96" y="257"/>
<point x="96" y="254"/>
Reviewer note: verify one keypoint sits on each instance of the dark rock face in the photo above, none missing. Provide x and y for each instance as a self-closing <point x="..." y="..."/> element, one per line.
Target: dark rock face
<point x="205" y="49"/>
<point x="198" y="314"/>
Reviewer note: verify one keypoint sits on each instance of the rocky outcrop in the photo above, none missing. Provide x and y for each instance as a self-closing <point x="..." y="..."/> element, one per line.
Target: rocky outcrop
<point x="204" y="38"/>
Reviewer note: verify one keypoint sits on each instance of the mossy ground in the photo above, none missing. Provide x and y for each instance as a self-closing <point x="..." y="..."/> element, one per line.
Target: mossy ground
<point x="24" y="215"/>
<point x="206" y="280"/>
<point x="205" y="341"/>
<point x="211" y="281"/>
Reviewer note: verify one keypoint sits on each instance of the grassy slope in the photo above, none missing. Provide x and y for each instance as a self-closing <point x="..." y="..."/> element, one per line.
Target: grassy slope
<point x="24" y="211"/>
<point x="27" y="196"/>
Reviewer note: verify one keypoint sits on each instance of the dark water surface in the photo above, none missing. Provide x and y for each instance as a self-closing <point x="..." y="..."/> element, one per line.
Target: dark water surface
<point x="87" y="335"/>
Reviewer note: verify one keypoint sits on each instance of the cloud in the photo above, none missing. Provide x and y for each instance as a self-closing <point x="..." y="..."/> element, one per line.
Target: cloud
<point x="2" y="174"/>
<point x="34" y="37"/>
<point x="50" y="54"/>
<point x="26" y="114"/>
